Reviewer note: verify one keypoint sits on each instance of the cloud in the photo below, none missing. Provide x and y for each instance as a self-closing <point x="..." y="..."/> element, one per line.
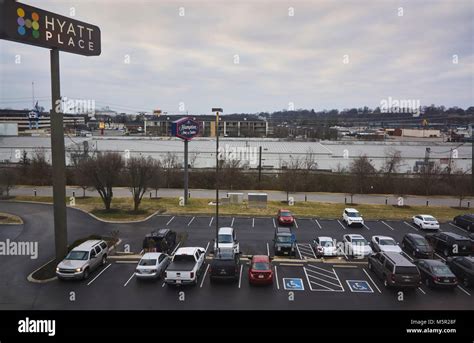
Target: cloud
<point x="282" y="58"/>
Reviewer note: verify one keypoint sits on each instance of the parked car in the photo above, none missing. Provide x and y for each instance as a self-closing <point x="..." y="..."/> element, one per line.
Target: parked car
<point x="260" y="270"/>
<point x="225" y="265"/>
<point x="450" y="243"/>
<point x="463" y="268"/>
<point x="435" y="273"/>
<point x="356" y="245"/>
<point x="466" y="221"/>
<point x="384" y="243"/>
<point x="284" y="217"/>
<point x="417" y="246"/>
<point x="152" y="265"/>
<point x="426" y="222"/>
<point x="83" y="259"/>
<point x="162" y="240"/>
<point x="227" y="240"/>
<point x="352" y="217"/>
<point x="284" y="242"/>
<point x="186" y="266"/>
<point x="324" y="246"/>
<point x="394" y="270"/>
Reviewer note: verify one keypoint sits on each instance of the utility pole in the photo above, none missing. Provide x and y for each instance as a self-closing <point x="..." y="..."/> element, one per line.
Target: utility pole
<point x="217" y="110"/>
<point x="259" y="165"/>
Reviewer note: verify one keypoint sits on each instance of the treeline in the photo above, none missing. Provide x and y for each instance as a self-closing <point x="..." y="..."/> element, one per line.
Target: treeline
<point x="104" y="171"/>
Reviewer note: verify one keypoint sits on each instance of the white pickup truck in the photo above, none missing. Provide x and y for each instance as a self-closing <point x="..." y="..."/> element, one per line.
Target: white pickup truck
<point x="185" y="267"/>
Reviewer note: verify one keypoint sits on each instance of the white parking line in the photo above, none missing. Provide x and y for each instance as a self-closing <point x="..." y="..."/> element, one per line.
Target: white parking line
<point x="301" y="257"/>
<point x="131" y="277"/>
<point x="325" y="270"/>
<point x="331" y="277"/>
<point x="191" y="221"/>
<point x="204" y="276"/>
<point x="163" y="285"/>
<point x="421" y="290"/>
<point x="441" y="257"/>
<point x="462" y="289"/>
<point x="274" y="225"/>
<point x="232" y="222"/>
<point x="296" y="223"/>
<point x="240" y="276"/>
<point x="391" y="228"/>
<point x="169" y="221"/>
<point x="210" y="223"/>
<point x="207" y="246"/>
<point x="318" y="223"/>
<point x="366" y="227"/>
<point x="175" y="248"/>
<point x="268" y="250"/>
<point x="458" y="227"/>
<point x="276" y="278"/>
<point x="309" y="283"/>
<point x="253" y="222"/>
<point x="338" y="280"/>
<point x="378" y="289"/>
<point x="341" y="224"/>
<point x="410" y="226"/>
<point x="141" y="252"/>
<point x="103" y="270"/>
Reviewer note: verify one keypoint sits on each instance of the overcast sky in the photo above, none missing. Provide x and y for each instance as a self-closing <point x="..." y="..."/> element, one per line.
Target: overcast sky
<point x="282" y="59"/>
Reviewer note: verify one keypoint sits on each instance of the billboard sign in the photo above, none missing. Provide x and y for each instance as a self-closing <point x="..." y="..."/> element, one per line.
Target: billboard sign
<point x="185" y="128"/>
<point x="31" y="25"/>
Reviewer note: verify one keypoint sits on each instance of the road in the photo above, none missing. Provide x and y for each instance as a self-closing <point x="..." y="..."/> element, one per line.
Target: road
<point x="272" y="195"/>
<point x="326" y="284"/>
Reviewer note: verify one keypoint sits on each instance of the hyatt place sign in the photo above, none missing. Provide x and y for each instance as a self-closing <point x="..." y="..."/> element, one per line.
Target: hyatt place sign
<point x="30" y="25"/>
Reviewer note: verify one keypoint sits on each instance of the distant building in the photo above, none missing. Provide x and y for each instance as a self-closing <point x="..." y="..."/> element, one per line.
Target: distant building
<point x="417" y="133"/>
<point x="22" y="118"/>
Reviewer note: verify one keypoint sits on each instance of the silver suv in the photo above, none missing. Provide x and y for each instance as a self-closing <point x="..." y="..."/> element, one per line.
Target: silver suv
<point x="83" y="259"/>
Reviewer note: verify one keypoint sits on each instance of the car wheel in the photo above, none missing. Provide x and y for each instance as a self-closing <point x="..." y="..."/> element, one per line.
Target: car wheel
<point x="85" y="275"/>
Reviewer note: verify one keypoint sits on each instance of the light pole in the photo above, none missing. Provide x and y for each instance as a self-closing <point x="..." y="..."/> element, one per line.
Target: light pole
<point x="217" y="110"/>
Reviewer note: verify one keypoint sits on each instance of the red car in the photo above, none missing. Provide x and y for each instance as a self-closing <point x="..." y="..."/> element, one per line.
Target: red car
<point x="260" y="271"/>
<point x="285" y="217"/>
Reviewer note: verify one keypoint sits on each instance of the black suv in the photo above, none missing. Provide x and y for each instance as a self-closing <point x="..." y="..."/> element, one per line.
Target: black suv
<point x="450" y="243"/>
<point x="284" y="242"/>
<point x="394" y="270"/>
<point x="417" y="245"/>
<point x="466" y="221"/>
<point x="463" y="268"/>
<point x="225" y="266"/>
<point x="162" y="240"/>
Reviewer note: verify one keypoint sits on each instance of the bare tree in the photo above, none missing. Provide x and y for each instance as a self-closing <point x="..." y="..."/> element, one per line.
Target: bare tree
<point x="288" y="176"/>
<point x="103" y="171"/>
<point x="7" y="180"/>
<point x="139" y="173"/>
<point x="361" y="169"/>
<point x="79" y="156"/>
<point x="393" y="160"/>
<point x="429" y="176"/>
<point x="459" y="183"/>
<point x="170" y="165"/>
<point x="155" y="182"/>
<point x="230" y="169"/>
<point x="39" y="169"/>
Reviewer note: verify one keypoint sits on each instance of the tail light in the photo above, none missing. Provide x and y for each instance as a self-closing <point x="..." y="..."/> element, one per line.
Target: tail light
<point x="191" y="275"/>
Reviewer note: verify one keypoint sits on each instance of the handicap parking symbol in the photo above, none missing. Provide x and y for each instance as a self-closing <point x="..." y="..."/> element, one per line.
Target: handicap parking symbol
<point x="359" y="286"/>
<point x="293" y="284"/>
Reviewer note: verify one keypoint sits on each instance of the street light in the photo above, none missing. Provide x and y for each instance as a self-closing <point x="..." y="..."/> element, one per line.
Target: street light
<point x="217" y="110"/>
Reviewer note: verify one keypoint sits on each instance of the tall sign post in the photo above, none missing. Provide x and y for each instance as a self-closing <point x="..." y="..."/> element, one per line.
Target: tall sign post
<point x="31" y="25"/>
<point x="186" y="129"/>
<point x="217" y="110"/>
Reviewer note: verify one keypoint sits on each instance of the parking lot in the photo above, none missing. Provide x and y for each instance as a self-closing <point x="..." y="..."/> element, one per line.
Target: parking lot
<point x="300" y="283"/>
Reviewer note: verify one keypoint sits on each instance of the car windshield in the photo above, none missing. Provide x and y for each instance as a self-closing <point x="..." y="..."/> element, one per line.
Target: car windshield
<point x="441" y="270"/>
<point x="327" y="244"/>
<point x="387" y="241"/>
<point x="284" y="239"/>
<point x="260" y="266"/>
<point x="420" y="241"/>
<point x="353" y="214"/>
<point x="359" y="241"/>
<point x="147" y="262"/>
<point x="225" y="239"/>
<point x="77" y="255"/>
<point x="285" y="214"/>
<point x="183" y="258"/>
<point x="429" y="219"/>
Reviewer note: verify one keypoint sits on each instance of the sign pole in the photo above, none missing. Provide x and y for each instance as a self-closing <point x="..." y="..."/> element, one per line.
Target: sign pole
<point x="217" y="182"/>
<point x="58" y="160"/>
<point x="186" y="174"/>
